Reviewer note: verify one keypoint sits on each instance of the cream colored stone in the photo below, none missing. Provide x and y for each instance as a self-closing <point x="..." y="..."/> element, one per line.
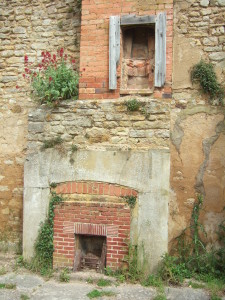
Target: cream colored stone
<point x="4" y="188"/>
<point x="185" y="56"/>
<point x="5" y="211"/>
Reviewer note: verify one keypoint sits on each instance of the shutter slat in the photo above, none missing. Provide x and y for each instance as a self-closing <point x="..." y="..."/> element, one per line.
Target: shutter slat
<point x="114" y="50"/>
<point x="160" y="50"/>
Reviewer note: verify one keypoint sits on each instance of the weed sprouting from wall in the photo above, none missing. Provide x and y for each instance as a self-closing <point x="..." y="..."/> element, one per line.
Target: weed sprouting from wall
<point x="51" y="143"/>
<point x="131" y="200"/>
<point x="79" y="4"/>
<point x="64" y="275"/>
<point x="132" y="105"/>
<point x="132" y="272"/>
<point x="44" y="247"/>
<point x="204" y="73"/>
<point x="54" y="79"/>
<point x="192" y="259"/>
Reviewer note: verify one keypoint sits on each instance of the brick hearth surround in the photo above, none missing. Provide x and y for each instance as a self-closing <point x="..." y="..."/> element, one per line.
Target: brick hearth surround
<point x="96" y="216"/>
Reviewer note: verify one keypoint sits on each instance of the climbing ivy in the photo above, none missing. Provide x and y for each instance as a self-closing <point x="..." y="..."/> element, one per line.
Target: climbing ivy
<point x="44" y="247"/>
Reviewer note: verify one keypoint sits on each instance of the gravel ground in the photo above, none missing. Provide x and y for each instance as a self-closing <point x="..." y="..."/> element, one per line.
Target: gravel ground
<point x="31" y="286"/>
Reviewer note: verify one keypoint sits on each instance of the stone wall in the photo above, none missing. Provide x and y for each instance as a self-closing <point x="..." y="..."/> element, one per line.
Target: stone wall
<point x="197" y="128"/>
<point x="26" y="28"/>
<point x="96" y="124"/>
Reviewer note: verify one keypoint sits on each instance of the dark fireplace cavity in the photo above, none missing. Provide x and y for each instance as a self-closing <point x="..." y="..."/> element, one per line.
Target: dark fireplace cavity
<point x="90" y="252"/>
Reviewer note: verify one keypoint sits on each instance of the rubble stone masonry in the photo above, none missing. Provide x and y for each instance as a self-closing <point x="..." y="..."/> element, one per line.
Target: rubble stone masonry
<point x="26" y="28"/>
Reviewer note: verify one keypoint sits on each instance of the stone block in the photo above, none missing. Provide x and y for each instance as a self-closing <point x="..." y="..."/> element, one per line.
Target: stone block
<point x="221" y="2"/>
<point x="204" y="3"/>
<point x="218" y="56"/>
<point x="19" y="30"/>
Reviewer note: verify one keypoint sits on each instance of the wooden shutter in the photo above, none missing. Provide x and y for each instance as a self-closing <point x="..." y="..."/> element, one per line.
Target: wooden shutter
<point x="160" y="50"/>
<point x="114" y="50"/>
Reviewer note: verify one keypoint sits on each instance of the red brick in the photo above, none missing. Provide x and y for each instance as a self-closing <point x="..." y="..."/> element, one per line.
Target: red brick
<point x="106" y="189"/>
<point x="79" y="187"/>
<point x="90" y="185"/>
<point x="85" y="188"/>
<point x="74" y="187"/>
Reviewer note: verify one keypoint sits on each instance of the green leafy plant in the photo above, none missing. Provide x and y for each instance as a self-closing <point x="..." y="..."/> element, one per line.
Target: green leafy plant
<point x="24" y="297"/>
<point x="54" y="79"/>
<point x="3" y="271"/>
<point x="131" y="200"/>
<point x="160" y="297"/>
<point x="60" y="24"/>
<point x="172" y="270"/>
<point x="96" y="294"/>
<point x="44" y="247"/>
<point x="220" y="253"/>
<point x="64" y="275"/>
<point x="204" y="73"/>
<point x="132" y="105"/>
<point x="79" y="4"/>
<point x="90" y="280"/>
<point x="9" y="286"/>
<point x="132" y="273"/>
<point x="70" y="9"/>
<point x="53" y="185"/>
<point x="51" y="143"/>
<point x="215" y="297"/>
<point x="196" y="285"/>
<point x="118" y="274"/>
<point x="104" y="282"/>
<point x="74" y="148"/>
<point x="153" y="280"/>
<point x="192" y="258"/>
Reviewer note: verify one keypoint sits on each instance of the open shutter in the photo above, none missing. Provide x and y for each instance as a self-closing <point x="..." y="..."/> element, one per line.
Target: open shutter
<point x="114" y="50"/>
<point x="160" y="50"/>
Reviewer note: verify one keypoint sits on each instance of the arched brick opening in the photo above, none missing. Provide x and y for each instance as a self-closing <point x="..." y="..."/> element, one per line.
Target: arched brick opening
<point x="92" y="209"/>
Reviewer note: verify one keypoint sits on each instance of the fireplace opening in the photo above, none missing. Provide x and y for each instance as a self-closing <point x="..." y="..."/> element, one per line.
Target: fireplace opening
<point x="138" y="61"/>
<point x="90" y="252"/>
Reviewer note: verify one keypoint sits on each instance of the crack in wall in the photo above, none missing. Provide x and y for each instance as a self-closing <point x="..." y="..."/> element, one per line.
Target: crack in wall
<point x="206" y="146"/>
<point x="177" y="135"/>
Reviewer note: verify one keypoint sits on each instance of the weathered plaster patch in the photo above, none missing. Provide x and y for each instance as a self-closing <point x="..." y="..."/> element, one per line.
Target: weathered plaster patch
<point x="194" y="167"/>
<point x="185" y="56"/>
<point x="207" y="145"/>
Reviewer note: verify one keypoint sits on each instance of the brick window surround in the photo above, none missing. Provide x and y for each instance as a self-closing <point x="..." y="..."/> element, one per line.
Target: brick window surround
<point x="104" y="213"/>
<point x="94" y="45"/>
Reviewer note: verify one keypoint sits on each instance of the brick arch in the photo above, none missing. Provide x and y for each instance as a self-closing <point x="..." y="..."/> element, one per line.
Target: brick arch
<point x="94" y="188"/>
<point x="97" y="218"/>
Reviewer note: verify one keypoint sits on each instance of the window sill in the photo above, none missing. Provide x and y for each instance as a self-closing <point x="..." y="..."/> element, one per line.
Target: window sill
<point x="137" y="91"/>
